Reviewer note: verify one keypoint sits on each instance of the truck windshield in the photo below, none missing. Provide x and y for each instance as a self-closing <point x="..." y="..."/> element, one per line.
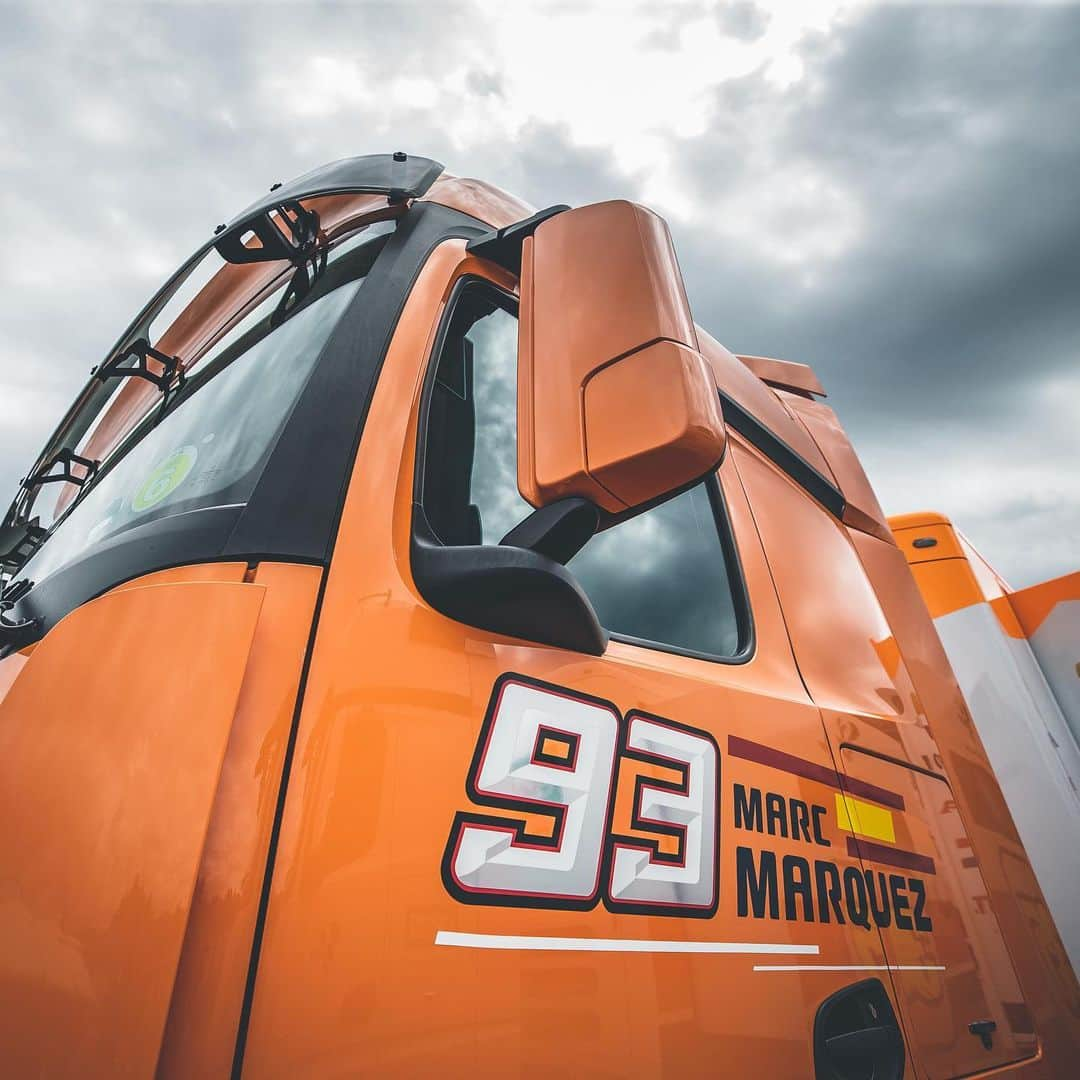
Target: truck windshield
<point x="210" y="446"/>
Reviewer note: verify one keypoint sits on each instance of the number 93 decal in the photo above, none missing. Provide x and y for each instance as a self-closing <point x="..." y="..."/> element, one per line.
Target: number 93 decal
<point x="548" y="763"/>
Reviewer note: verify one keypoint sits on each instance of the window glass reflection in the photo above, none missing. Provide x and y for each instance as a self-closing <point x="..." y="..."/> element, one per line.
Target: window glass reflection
<point x="659" y="578"/>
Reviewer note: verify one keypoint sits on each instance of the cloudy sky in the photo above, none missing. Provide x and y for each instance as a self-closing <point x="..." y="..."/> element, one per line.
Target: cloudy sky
<point x="889" y="192"/>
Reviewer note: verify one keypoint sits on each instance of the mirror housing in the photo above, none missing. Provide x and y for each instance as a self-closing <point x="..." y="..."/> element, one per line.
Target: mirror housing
<point x="615" y="403"/>
<point x="506" y="590"/>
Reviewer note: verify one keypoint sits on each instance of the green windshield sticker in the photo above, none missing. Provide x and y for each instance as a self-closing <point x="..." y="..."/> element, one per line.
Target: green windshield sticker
<point x="164" y="478"/>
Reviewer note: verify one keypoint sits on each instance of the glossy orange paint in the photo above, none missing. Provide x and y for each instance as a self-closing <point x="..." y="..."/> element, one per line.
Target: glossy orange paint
<point x="740" y="384"/>
<point x="1033" y="604"/>
<point x="143" y="807"/>
<point x="350" y="971"/>
<point x="176" y="575"/>
<point x="785" y="375"/>
<point x="606" y="325"/>
<point x="946" y="585"/>
<point x="200" y="1035"/>
<point x="479" y="199"/>
<point x="1049" y="985"/>
<point x="663" y="394"/>
<point x="112" y="737"/>
<point x="961" y="970"/>
<point x="845" y="596"/>
<point x="350" y="967"/>
<point x="862" y="510"/>
<point x="935" y="541"/>
<point x="950" y="573"/>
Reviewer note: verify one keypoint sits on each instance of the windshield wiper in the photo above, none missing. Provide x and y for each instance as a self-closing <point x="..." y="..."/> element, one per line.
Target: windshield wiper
<point x="18" y="541"/>
<point x="15" y="633"/>
<point x="21" y="535"/>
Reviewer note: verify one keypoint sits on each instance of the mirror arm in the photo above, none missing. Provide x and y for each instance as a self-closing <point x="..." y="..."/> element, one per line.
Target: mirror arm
<point x="503" y="246"/>
<point x="505" y="590"/>
<point x="559" y="530"/>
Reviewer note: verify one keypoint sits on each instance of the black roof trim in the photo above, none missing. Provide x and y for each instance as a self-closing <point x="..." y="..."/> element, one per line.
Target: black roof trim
<point x="503" y="246"/>
<point x="781" y="455"/>
<point x="397" y="176"/>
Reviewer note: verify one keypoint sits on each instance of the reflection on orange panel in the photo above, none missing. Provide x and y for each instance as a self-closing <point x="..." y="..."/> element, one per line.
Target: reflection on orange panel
<point x="111" y="740"/>
<point x="1034" y="604"/>
<point x="951" y="964"/>
<point x="222" y="571"/>
<point x="201" y="1032"/>
<point x="946" y="586"/>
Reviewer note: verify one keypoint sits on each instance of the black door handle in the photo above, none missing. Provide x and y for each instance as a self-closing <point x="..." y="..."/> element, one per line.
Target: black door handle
<point x="856" y="1035"/>
<point x="865" y="1042"/>
<point x="985" y="1030"/>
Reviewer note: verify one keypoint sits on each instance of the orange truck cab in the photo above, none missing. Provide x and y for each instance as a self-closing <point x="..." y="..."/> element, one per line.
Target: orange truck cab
<point x="424" y="651"/>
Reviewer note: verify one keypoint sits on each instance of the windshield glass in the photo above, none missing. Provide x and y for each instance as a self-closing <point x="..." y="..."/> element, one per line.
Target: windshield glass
<point x="186" y="324"/>
<point x="210" y="447"/>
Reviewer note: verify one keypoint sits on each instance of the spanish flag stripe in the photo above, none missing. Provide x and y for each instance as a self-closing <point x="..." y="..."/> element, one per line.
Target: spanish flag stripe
<point x="861" y="818"/>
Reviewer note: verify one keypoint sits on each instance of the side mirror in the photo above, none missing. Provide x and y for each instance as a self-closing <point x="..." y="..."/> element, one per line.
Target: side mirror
<point x="509" y="590"/>
<point x="615" y="403"/>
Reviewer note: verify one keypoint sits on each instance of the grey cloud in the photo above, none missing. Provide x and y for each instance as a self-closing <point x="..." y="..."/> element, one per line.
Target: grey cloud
<point x="932" y="273"/>
<point x="670" y="21"/>
<point x="544" y="168"/>
<point x="953" y="133"/>
<point x="118" y="162"/>
<point x="743" y="20"/>
<point x="485" y="83"/>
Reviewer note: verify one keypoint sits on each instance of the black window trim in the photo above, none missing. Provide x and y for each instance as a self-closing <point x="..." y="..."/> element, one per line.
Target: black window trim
<point x="503" y="299"/>
<point x="786" y="459"/>
<point x="744" y="621"/>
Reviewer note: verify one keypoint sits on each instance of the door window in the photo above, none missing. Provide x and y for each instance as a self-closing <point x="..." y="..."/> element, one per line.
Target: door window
<point x="666" y="578"/>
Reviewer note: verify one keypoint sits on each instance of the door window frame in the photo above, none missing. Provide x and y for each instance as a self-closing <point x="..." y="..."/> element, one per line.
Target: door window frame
<point x="736" y="578"/>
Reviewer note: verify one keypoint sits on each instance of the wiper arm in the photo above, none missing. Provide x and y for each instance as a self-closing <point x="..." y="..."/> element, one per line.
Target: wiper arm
<point x="21" y="535"/>
<point x="18" y="541"/>
<point x="15" y="633"/>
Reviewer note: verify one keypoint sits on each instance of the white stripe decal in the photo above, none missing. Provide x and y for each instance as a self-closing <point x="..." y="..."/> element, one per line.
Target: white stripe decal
<point x="849" y="967"/>
<point x="574" y="944"/>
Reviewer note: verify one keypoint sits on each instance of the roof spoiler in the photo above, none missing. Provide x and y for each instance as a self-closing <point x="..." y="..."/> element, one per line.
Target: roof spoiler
<point x="785" y="375"/>
<point x="397" y="176"/>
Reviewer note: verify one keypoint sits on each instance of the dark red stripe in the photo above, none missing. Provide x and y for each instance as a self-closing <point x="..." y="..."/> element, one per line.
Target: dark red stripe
<point x="872" y="791"/>
<point x="890" y="856"/>
<point x="810" y="770"/>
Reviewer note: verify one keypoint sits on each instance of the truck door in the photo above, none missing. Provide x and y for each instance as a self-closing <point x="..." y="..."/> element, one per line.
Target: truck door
<point x="960" y="998"/>
<point x="502" y="858"/>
